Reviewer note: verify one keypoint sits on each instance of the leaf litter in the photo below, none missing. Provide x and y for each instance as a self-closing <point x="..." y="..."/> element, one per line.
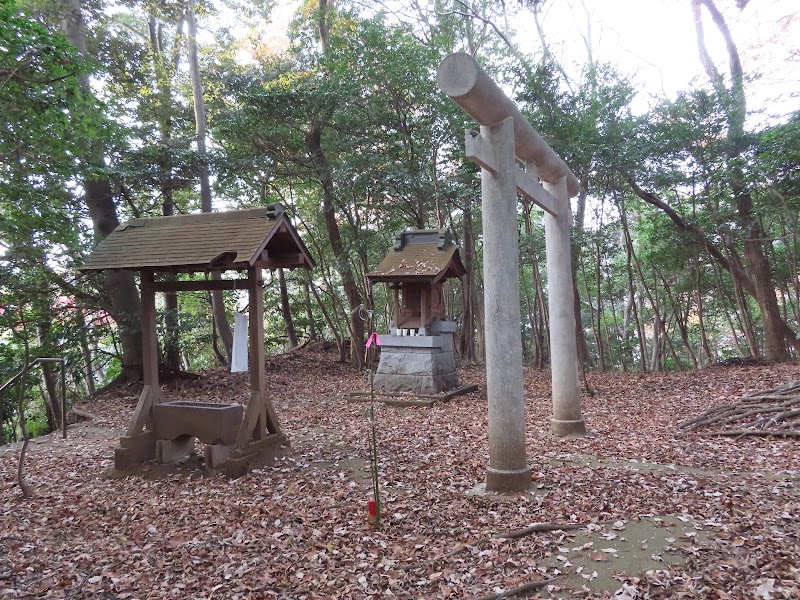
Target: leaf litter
<point x="299" y="528"/>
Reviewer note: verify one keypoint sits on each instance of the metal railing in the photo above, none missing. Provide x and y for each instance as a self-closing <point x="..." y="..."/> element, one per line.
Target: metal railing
<point x="41" y="360"/>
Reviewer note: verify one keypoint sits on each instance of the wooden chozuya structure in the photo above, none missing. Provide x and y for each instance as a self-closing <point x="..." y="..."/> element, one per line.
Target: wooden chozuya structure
<point x="244" y="241"/>
<point x="418" y="354"/>
<point x="416" y="268"/>
<point x="505" y="138"/>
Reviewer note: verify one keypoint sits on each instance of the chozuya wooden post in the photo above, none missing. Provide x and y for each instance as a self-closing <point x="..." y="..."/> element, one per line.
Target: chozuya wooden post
<point x="504" y="133"/>
<point x="260" y="428"/>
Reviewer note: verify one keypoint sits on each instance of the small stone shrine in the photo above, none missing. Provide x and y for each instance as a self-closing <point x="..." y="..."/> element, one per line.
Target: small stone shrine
<point x="418" y="356"/>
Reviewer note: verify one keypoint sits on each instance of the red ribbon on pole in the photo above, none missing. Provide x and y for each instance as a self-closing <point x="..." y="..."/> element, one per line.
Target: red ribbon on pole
<point x="374" y="338"/>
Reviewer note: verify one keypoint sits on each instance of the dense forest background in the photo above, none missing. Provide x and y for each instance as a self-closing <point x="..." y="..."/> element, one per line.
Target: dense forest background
<point x="685" y="234"/>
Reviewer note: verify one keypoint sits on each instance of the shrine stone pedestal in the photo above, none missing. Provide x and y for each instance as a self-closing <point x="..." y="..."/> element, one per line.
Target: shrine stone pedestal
<point x="423" y="364"/>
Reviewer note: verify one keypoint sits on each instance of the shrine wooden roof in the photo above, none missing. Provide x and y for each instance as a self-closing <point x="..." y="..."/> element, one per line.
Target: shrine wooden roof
<point x="261" y="237"/>
<point x="419" y="255"/>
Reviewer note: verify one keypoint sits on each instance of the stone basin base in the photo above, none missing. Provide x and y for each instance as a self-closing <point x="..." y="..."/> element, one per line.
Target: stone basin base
<point x="423" y="364"/>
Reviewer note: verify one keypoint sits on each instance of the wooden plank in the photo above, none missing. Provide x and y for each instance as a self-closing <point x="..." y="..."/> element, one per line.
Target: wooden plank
<point x="260" y="412"/>
<point x="199" y="286"/>
<point x="410" y="400"/>
<point x="144" y="410"/>
<point x="424" y="305"/>
<point x="459" y="391"/>
<point x="151" y="392"/>
<point x="239" y="460"/>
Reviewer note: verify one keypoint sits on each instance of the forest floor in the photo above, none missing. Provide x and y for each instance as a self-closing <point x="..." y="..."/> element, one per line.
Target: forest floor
<point x="647" y="513"/>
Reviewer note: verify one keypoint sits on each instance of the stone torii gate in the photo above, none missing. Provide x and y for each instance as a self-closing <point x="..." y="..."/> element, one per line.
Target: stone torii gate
<point x="505" y="137"/>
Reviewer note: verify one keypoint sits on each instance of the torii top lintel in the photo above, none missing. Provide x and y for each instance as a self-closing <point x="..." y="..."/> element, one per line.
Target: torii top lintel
<point x="469" y="86"/>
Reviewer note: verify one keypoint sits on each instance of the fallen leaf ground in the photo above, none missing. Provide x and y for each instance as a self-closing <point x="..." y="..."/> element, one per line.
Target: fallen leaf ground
<point x="667" y="516"/>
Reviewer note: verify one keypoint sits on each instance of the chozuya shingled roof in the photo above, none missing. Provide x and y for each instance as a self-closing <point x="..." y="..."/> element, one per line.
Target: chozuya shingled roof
<point x="420" y="255"/>
<point x="235" y="240"/>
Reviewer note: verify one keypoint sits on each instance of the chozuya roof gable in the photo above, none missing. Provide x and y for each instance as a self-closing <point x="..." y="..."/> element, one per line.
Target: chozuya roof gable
<point x="233" y="240"/>
<point x="420" y="255"/>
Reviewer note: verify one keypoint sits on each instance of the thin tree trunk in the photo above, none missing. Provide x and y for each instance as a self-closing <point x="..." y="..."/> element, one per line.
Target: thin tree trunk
<point x="595" y="332"/>
<point x="88" y="368"/>
<point x="172" y="346"/>
<point x="49" y="388"/>
<point x="312" y="329"/>
<point x="775" y="328"/>
<point x="327" y="317"/>
<point x="631" y="287"/>
<point x="584" y="356"/>
<point x="206" y="204"/>
<point x="354" y="300"/>
<point x="286" y="310"/>
<point x="468" y="287"/>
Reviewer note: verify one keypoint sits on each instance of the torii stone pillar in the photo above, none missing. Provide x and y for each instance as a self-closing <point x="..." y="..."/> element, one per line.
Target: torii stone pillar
<point x="504" y="134"/>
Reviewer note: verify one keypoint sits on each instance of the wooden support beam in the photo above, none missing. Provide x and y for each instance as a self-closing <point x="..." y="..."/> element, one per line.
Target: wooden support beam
<point x="200" y="286"/>
<point x="281" y="261"/>
<point x="260" y="419"/>
<point x="151" y="393"/>
<point x="479" y="151"/>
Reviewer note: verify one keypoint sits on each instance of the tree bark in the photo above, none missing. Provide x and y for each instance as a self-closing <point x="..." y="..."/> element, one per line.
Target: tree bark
<point x="584" y="355"/>
<point x="775" y="335"/>
<point x="468" y="287"/>
<point x="354" y="300"/>
<point x="164" y="69"/>
<point x="118" y="286"/>
<point x="286" y="310"/>
<point x="206" y="205"/>
<point x="50" y="390"/>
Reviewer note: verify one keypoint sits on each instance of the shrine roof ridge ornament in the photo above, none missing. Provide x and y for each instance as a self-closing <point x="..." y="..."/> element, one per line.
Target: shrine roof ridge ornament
<point x="469" y="86"/>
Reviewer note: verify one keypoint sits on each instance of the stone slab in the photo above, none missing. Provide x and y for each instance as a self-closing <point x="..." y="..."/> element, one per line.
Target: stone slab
<point x="209" y="422"/>
<point x="404" y="363"/>
<point x="216" y="455"/>
<point x="419" y="384"/>
<point x="134" y="450"/>
<point x="410" y="341"/>
<point x="169" y="451"/>
<point x="437" y="327"/>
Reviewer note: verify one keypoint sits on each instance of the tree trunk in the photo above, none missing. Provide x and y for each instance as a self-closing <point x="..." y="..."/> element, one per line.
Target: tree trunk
<point x="286" y="310"/>
<point x="118" y="286"/>
<point x="584" y="356"/>
<point x="733" y="265"/>
<point x="312" y="329"/>
<point x="217" y="296"/>
<point x="164" y="70"/>
<point x="354" y="300"/>
<point x="468" y="287"/>
<point x="776" y="335"/>
<point x="172" y="346"/>
<point x="88" y="368"/>
<point x="631" y="287"/>
<point x="50" y="393"/>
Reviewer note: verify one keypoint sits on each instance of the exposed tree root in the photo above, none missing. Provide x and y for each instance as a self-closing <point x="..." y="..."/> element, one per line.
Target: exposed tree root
<point x="82" y="414"/>
<point x="528" y="587"/>
<point x="508" y="535"/>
